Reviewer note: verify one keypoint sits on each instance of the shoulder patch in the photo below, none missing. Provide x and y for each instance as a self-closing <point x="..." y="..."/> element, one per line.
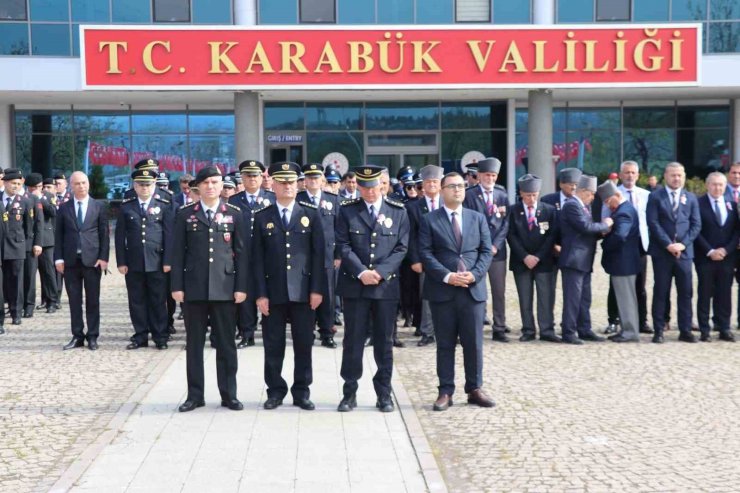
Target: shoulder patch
<point x="130" y="199"/>
<point x="395" y="203"/>
<point x="166" y="201"/>
<point x="232" y="206"/>
<point x="255" y="211"/>
<point x="350" y="201"/>
<point x="307" y="204"/>
<point x="191" y="204"/>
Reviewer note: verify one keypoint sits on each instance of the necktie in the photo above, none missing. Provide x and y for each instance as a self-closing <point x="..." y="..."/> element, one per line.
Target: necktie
<point x="489" y="203"/>
<point x="674" y="194"/>
<point x="7" y="203"/>
<point x="372" y="213"/>
<point x="632" y="199"/>
<point x="717" y="212"/>
<point x="458" y="239"/>
<point x="285" y="217"/>
<point x="59" y="197"/>
<point x="79" y="214"/>
<point x="251" y="201"/>
<point x="313" y="200"/>
<point x="735" y="195"/>
<point x="530" y="217"/>
<point x="209" y="215"/>
<point x="143" y="209"/>
<point x="432" y="203"/>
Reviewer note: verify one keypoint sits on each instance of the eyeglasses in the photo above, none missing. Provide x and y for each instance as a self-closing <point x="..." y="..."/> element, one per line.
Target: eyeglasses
<point x="454" y="186"/>
<point x="410" y="187"/>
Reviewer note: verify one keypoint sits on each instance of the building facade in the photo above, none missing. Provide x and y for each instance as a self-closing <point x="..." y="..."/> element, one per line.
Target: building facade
<point x="49" y="123"/>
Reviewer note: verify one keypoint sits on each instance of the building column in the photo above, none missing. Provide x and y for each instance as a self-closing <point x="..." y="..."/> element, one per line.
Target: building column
<point x="540" y="138"/>
<point x="247" y="105"/>
<point x="6" y="136"/>
<point x="511" y="149"/>
<point x="736" y="131"/>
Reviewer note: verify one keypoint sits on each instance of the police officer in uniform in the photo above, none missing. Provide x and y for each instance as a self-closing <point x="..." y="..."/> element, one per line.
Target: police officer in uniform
<point x="288" y="282"/>
<point x="327" y="204"/>
<point x="20" y="225"/>
<point x="163" y="182"/>
<point x="151" y="165"/>
<point x="31" y="265"/>
<point x="210" y="275"/>
<point x="372" y="238"/>
<point x="143" y="255"/>
<point x="47" y="272"/>
<point x="250" y="200"/>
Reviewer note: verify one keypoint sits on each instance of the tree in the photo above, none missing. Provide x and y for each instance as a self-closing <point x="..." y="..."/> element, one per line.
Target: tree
<point x="98" y="187"/>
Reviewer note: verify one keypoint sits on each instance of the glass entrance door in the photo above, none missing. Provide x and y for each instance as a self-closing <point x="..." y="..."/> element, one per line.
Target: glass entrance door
<point x="394" y="162"/>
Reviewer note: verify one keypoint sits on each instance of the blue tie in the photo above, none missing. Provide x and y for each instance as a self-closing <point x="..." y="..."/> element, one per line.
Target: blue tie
<point x="79" y="214"/>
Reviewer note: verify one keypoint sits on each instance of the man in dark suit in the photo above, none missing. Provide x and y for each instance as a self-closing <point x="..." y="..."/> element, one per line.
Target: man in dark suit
<point x="621" y="259"/>
<point x="455" y="249"/>
<point x="288" y="283"/>
<point x="732" y="194"/>
<point x="372" y="238"/>
<point x="716" y="250"/>
<point x="144" y="256"/>
<point x="349" y="186"/>
<point x="252" y="199"/>
<point x="579" y="237"/>
<point x="491" y="200"/>
<point x="47" y="273"/>
<point x="533" y="227"/>
<point x="210" y="275"/>
<point x="81" y="253"/>
<point x="674" y="223"/>
<point x="21" y="229"/>
<point x="183" y="196"/>
<point x="327" y="205"/>
<point x="33" y="243"/>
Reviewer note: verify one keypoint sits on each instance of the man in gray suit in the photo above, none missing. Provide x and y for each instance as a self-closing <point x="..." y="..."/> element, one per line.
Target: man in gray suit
<point x="455" y="249"/>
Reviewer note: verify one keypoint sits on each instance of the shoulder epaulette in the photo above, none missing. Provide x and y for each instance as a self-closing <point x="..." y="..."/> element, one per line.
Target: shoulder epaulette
<point x="255" y="211"/>
<point x="126" y="201"/>
<point x="166" y="201"/>
<point x="395" y="203"/>
<point x="330" y="193"/>
<point x="307" y="204"/>
<point x="232" y="206"/>
<point x="350" y="201"/>
<point x="191" y="204"/>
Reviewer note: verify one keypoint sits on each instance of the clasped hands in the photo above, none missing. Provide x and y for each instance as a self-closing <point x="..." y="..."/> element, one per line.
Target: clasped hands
<point x="675" y="249"/>
<point x="461" y="279"/>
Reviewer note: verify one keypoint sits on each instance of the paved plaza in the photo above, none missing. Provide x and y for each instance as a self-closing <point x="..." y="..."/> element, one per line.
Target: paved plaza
<point x="600" y="417"/>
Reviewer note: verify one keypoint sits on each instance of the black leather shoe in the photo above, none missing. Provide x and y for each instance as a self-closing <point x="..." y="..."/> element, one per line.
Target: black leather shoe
<point x="74" y="343"/>
<point x="161" y="345"/>
<point x="272" y="403"/>
<point x="417" y="333"/>
<point x="41" y="307"/>
<point x="304" y="404"/>
<point x="233" y="404"/>
<point x="705" y="338"/>
<point x="58" y="306"/>
<point x="337" y="322"/>
<point x="499" y="337"/>
<point x="590" y="336"/>
<point x="443" y="402"/>
<point x="621" y="338"/>
<point x="51" y="309"/>
<point x="723" y="336"/>
<point x="611" y="329"/>
<point x="244" y="343"/>
<point x="487" y="321"/>
<point x="328" y="342"/>
<point x="572" y="340"/>
<point x="17" y="321"/>
<point x="171" y="329"/>
<point x="385" y="404"/>
<point x="137" y="345"/>
<point x="658" y="339"/>
<point x="92" y="344"/>
<point x="425" y="340"/>
<point x="348" y="403"/>
<point x="527" y="337"/>
<point x="687" y="338"/>
<point x="27" y="314"/>
<point x="397" y="343"/>
<point x="550" y="338"/>
<point x="646" y="329"/>
<point x="190" y="406"/>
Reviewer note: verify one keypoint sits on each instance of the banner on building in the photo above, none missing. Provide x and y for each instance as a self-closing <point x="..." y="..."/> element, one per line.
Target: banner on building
<point x="389" y="57"/>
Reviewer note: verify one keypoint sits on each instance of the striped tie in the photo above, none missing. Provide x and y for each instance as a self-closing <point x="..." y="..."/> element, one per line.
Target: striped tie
<point x="530" y="217"/>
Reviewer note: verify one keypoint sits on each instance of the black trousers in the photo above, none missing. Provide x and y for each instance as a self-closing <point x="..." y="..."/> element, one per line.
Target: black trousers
<point x="410" y="293"/>
<point x="301" y="319"/>
<point x="380" y="317"/>
<point x="715" y="290"/>
<point x="463" y="317"/>
<point x="147" y="305"/>
<point x="60" y="285"/>
<point x="325" y="311"/>
<point x="222" y="317"/>
<point x="246" y="319"/>
<point x="48" y="277"/>
<point x="665" y="269"/>
<point x="30" y="267"/>
<point x="171" y="305"/>
<point x="77" y="277"/>
<point x="13" y="281"/>
<point x="613" y="310"/>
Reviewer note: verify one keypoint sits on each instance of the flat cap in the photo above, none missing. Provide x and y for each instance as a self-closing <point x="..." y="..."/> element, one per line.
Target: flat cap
<point x="34" y="179"/>
<point x="149" y="164"/>
<point x="144" y="176"/>
<point x="286" y="171"/>
<point x="251" y="167"/>
<point x="313" y="169"/>
<point x="12" y="174"/>
<point x="369" y="175"/>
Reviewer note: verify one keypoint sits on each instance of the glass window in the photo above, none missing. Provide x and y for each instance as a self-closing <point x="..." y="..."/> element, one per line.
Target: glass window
<point x="334" y="116"/>
<point x="75" y="40"/>
<point x="472" y="11"/>
<point x="595" y="151"/>
<point x="50" y="39"/>
<point x="43" y="121"/>
<point x="171" y="10"/>
<point x="575" y="11"/>
<point x="508" y="12"/>
<point x="106" y="161"/>
<point x="284" y="117"/>
<point x="356" y="11"/>
<point x="649" y="117"/>
<point x="456" y="144"/>
<point x="401" y="140"/>
<point x="612" y="10"/>
<point x="212" y="11"/>
<point x="49" y="10"/>
<point x="51" y="151"/>
<point x="211" y="123"/>
<point x="408" y="116"/>
<point x="14" y="10"/>
<point x="132" y="11"/>
<point x="651" y="10"/>
<point x="13" y="38"/>
<point x="101" y="122"/>
<point x="724" y="37"/>
<point x="319" y="11"/>
<point x="278" y="12"/>
<point x="23" y="151"/>
<point x="651" y="148"/>
<point x="473" y="115"/>
<point x="211" y="150"/>
<point x="688" y="10"/>
<point x="159" y="122"/>
<point x="724" y="10"/>
<point x="434" y="12"/>
<point x="319" y="144"/>
<point x="703" y="151"/>
<point x="90" y="11"/>
<point x="703" y="117"/>
<point x="585" y="119"/>
<point x="395" y="11"/>
<point x="170" y="150"/>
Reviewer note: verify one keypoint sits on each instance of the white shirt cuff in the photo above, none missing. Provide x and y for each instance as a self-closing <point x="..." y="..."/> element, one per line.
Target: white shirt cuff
<point x="447" y="278"/>
<point x="56" y="262"/>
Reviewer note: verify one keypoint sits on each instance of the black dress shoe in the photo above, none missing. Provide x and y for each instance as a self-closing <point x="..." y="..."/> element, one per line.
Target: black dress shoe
<point x="92" y="344"/>
<point x="41" y="306"/>
<point x="27" y="314"/>
<point x="161" y="345"/>
<point x="572" y="340"/>
<point x="328" y="342"/>
<point x="171" y="330"/>
<point x="242" y="344"/>
<point x="443" y="402"/>
<point x="499" y="337"/>
<point x="417" y="333"/>
<point x="348" y="403"/>
<point x="646" y="329"/>
<point x="51" y="309"/>
<point x="272" y="403"/>
<point x="658" y="339"/>
<point x="58" y="306"/>
<point x="621" y="338"/>
<point x="337" y="322"/>
<point x="705" y="338"/>
<point x="611" y="329"/>
<point x="487" y="321"/>
<point x="590" y="336"/>
<point x="233" y="404"/>
<point x="425" y="340"/>
<point x="406" y="323"/>
<point x="137" y="345"/>
<point x="398" y="343"/>
<point x="527" y="337"/>
<point x="687" y="338"/>
<point x="723" y="336"/>
<point x="550" y="338"/>
<point x="190" y="406"/>
<point x="74" y="343"/>
<point x="385" y="404"/>
<point x="304" y="404"/>
<point x="17" y="321"/>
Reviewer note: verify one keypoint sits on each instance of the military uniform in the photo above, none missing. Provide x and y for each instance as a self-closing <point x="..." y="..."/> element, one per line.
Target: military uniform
<point x="143" y="236"/>
<point x="31" y="265"/>
<point x="288" y="266"/>
<point x="61" y="199"/>
<point x="47" y="272"/>
<point x="377" y="244"/>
